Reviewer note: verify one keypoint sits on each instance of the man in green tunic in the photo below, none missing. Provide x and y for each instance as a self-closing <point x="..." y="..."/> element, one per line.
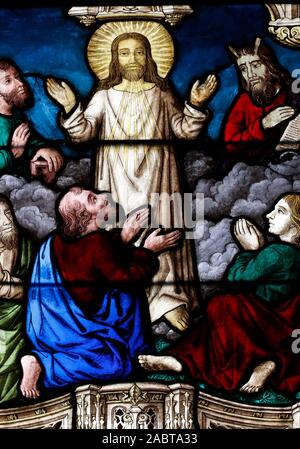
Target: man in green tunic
<point x="16" y="255"/>
<point x="22" y="150"/>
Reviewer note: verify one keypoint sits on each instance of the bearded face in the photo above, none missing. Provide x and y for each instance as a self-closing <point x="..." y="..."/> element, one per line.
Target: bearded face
<point x="8" y="230"/>
<point x="132" y="72"/>
<point x="13" y="90"/>
<point x="19" y="99"/>
<point x="9" y="239"/>
<point x="262" y="90"/>
<point x="257" y="79"/>
<point x="132" y="59"/>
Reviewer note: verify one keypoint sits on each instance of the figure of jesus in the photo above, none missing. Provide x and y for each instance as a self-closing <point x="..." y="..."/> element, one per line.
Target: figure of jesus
<point x="131" y="111"/>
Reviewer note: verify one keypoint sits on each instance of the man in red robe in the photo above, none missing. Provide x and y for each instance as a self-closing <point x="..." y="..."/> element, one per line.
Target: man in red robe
<point x="263" y="108"/>
<point x="87" y="313"/>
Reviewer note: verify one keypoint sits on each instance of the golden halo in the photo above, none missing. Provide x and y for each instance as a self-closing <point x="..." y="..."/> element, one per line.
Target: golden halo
<point x="99" y="47"/>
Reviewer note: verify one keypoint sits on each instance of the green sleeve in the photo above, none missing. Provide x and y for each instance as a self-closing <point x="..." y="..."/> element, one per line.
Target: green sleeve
<point x="255" y="265"/>
<point x="27" y="251"/>
<point x="6" y="160"/>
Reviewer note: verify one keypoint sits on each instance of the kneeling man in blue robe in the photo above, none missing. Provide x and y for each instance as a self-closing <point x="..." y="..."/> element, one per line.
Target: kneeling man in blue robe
<point x="87" y="315"/>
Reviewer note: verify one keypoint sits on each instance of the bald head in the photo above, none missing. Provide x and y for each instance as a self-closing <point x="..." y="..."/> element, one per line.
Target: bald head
<point x="83" y="211"/>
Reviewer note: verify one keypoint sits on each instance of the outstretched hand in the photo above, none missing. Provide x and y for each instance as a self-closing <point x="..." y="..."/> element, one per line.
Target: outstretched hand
<point x="248" y="235"/>
<point x="277" y="116"/>
<point x="134" y="224"/>
<point x="62" y="93"/>
<point x="158" y="243"/>
<point x="200" y="93"/>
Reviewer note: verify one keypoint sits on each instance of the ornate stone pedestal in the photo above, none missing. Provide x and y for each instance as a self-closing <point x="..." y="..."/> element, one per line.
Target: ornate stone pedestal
<point x="147" y="405"/>
<point x="142" y="405"/>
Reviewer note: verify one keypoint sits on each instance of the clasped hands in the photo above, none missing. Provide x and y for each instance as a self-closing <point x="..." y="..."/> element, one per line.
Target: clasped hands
<point x="248" y="235"/>
<point x="155" y="241"/>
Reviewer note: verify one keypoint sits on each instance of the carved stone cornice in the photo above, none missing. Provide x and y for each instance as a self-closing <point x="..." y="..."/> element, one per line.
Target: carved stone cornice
<point x="147" y="405"/>
<point x="215" y="412"/>
<point x="89" y="15"/>
<point x="55" y="413"/>
<point x="285" y="23"/>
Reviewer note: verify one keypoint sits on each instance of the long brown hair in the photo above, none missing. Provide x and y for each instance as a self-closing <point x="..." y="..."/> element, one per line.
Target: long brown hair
<point x="268" y="58"/>
<point x="293" y="200"/>
<point x="115" y="77"/>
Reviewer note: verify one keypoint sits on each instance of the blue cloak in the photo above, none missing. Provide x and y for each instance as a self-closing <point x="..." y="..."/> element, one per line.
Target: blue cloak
<point x="73" y="347"/>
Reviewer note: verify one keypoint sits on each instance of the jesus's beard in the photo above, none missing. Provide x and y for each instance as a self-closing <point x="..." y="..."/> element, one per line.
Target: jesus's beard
<point x="9" y="238"/>
<point x="263" y="91"/>
<point x="20" y="98"/>
<point x="132" y="72"/>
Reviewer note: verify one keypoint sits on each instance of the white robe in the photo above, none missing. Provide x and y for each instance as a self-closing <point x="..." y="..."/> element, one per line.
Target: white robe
<point x="133" y="172"/>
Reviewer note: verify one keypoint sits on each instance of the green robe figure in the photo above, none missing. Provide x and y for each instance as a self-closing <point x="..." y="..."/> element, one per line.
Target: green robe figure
<point x="16" y="256"/>
<point x="17" y="165"/>
<point x="22" y="150"/>
<point x="272" y="273"/>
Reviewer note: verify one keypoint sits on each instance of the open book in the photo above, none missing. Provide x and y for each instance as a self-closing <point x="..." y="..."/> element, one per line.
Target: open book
<point x="290" y="139"/>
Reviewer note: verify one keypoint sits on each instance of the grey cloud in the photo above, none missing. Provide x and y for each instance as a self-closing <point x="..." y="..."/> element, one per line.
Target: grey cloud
<point x="38" y="223"/>
<point x="220" y="196"/>
<point x="34" y="203"/>
<point x="197" y="165"/>
<point x="296" y="186"/>
<point x="162" y="328"/>
<point x="35" y="194"/>
<point x="9" y="183"/>
<point x="245" y="190"/>
<point x="215" y="250"/>
<point x="75" y="172"/>
<point x="289" y="167"/>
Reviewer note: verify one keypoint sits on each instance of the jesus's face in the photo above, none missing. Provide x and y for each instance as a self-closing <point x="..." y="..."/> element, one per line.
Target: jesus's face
<point x="132" y="59"/>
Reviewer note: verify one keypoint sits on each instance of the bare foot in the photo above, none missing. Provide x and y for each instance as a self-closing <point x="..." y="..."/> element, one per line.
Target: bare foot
<point x="31" y="373"/>
<point x="178" y="318"/>
<point x="159" y="363"/>
<point x="259" y="376"/>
